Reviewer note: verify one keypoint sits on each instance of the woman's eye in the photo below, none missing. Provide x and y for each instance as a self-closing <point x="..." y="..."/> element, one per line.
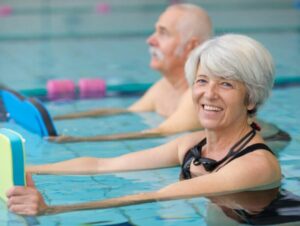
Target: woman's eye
<point x="200" y="81"/>
<point x="227" y="84"/>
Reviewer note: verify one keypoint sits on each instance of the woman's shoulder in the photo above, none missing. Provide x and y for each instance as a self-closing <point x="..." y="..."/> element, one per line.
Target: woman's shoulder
<point x="262" y="155"/>
<point x="188" y="141"/>
<point x="258" y="149"/>
<point x="259" y="160"/>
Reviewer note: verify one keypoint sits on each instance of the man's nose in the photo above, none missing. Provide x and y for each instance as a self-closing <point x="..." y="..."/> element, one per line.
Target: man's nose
<point x="151" y="40"/>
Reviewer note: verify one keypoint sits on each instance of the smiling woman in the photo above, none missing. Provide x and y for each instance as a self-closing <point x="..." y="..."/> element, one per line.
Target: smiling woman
<point x="245" y="61"/>
<point x="226" y="80"/>
<point x="220" y="100"/>
<point x="224" y="158"/>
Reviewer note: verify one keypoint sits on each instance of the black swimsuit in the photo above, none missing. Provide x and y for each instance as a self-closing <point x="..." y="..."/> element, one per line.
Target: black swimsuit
<point x="194" y="156"/>
<point x="285" y="208"/>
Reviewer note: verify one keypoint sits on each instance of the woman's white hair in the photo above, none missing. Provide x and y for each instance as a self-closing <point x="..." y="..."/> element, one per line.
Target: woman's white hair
<point x="235" y="57"/>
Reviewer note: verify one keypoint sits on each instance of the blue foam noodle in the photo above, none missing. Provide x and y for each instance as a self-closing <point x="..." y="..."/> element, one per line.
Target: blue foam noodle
<point x="29" y="113"/>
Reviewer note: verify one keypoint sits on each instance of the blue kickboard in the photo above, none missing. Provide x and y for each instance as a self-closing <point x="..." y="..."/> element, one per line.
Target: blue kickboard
<point x="30" y="113"/>
<point x="12" y="161"/>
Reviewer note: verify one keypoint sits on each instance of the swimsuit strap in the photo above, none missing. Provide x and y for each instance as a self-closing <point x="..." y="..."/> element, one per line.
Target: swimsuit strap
<point x="240" y="145"/>
<point x="189" y="157"/>
<point x="249" y="149"/>
<point x="194" y="154"/>
<point x="211" y="164"/>
<point x="196" y="151"/>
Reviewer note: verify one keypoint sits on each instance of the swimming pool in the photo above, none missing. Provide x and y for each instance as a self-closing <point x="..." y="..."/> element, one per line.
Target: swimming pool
<point x="118" y="54"/>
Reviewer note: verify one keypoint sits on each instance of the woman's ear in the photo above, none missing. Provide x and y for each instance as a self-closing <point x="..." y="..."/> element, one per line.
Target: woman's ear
<point x="251" y="106"/>
<point x="251" y="109"/>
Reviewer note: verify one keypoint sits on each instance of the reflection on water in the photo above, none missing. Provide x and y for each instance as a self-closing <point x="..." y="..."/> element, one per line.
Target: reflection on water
<point x="269" y="207"/>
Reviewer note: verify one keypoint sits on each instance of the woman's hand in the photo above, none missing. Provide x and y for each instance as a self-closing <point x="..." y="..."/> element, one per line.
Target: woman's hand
<point x="26" y="200"/>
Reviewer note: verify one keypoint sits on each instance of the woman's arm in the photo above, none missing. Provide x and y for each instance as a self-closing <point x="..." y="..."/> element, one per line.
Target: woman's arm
<point x="162" y="156"/>
<point x="237" y="176"/>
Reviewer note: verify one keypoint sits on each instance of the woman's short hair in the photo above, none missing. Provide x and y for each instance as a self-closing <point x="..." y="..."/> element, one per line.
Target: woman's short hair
<point x="235" y="57"/>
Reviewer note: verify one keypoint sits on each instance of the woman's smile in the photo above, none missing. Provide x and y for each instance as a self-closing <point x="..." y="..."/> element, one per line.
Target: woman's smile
<point x="211" y="108"/>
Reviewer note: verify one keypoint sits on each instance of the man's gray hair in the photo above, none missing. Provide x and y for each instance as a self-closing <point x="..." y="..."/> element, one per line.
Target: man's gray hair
<point x="195" y="22"/>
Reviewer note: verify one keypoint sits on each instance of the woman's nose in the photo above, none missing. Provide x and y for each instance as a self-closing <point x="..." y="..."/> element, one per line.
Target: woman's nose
<point x="211" y="91"/>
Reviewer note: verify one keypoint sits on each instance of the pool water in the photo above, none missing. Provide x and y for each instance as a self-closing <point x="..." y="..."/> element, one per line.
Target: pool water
<point x="100" y="46"/>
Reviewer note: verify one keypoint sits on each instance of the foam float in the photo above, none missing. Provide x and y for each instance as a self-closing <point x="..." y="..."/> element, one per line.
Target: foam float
<point x="30" y="113"/>
<point x="12" y="161"/>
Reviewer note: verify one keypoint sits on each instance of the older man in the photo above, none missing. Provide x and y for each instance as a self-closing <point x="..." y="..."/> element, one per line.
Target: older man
<point x="179" y="29"/>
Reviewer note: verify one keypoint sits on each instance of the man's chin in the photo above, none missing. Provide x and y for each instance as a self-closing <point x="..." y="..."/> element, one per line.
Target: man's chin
<point x="155" y="66"/>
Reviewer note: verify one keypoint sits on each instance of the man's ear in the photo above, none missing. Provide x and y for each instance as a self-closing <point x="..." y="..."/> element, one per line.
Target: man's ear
<point x="192" y="44"/>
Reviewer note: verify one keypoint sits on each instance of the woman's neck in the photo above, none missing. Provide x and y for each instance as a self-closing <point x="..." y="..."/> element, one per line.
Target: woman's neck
<point x="219" y="142"/>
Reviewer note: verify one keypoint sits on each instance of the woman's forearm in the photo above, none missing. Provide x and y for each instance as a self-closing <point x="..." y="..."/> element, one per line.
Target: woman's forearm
<point x="167" y="193"/>
<point x="83" y="165"/>
<point x="103" y="204"/>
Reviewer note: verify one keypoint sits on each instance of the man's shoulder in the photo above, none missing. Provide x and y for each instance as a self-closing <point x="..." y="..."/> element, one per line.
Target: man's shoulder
<point x="187" y="95"/>
<point x="159" y="85"/>
<point x="161" y="82"/>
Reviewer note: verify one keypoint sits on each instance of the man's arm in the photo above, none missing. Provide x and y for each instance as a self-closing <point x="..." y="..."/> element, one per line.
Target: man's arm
<point x="121" y="136"/>
<point x="145" y="103"/>
<point x="92" y="113"/>
<point x="183" y="119"/>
